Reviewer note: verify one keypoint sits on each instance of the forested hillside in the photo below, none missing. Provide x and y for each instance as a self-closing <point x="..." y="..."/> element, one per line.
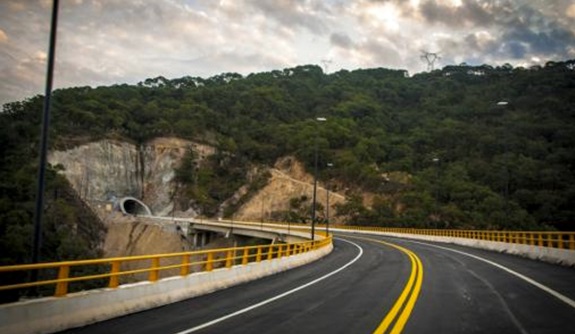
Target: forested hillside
<point x="460" y="147"/>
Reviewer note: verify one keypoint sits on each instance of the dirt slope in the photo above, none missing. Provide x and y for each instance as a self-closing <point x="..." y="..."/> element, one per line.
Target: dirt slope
<point x="289" y="180"/>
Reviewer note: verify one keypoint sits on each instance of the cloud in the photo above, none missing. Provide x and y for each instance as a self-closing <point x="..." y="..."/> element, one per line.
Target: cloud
<point x="341" y="40"/>
<point x="468" y="13"/>
<point x="571" y="11"/>
<point x="531" y="33"/>
<point x="3" y="37"/>
<point x="309" y="15"/>
<point x="22" y="80"/>
<point x="104" y="42"/>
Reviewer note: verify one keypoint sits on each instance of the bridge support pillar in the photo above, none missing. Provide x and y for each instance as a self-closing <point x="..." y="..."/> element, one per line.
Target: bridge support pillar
<point x="200" y="238"/>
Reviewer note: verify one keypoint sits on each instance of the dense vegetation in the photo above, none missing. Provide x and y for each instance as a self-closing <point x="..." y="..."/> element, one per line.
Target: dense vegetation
<point x="70" y="229"/>
<point x="437" y="149"/>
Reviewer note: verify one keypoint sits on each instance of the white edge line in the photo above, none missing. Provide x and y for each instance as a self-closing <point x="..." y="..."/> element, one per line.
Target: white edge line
<point x="531" y="281"/>
<point x="267" y="301"/>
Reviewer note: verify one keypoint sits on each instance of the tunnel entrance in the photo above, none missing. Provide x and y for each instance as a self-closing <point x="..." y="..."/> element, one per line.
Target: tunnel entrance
<point x="133" y="206"/>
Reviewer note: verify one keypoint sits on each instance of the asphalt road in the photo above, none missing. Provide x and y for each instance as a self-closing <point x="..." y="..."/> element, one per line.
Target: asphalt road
<point x="374" y="284"/>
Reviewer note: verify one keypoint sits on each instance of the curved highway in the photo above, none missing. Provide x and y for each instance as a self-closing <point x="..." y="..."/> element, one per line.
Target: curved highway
<point x="372" y="284"/>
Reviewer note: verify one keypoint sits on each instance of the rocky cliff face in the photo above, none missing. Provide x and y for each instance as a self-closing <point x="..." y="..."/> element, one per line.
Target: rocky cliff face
<point x="108" y="169"/>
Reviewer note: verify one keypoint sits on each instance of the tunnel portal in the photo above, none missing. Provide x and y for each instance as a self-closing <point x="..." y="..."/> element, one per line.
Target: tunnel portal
<point x="133" y="206"/>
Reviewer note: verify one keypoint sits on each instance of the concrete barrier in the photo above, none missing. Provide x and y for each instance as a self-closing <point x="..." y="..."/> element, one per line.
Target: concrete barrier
<point x="558" y="256"/>
<point x="47" y="315"/>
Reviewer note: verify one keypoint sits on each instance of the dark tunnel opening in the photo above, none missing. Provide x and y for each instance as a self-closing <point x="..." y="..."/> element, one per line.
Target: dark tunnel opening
<point x="135" y="207"/>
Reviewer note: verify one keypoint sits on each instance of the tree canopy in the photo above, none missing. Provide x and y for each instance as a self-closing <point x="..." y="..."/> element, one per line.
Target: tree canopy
<point x="477" y="146"/>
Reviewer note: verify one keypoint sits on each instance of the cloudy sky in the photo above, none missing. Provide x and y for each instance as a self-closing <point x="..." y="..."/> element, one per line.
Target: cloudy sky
<point x="104" y="42"/>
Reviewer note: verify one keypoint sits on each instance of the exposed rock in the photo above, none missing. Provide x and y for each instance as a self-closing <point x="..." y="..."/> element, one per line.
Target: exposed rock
<point x="108" y="169"/>
<point x="288" y="180"/>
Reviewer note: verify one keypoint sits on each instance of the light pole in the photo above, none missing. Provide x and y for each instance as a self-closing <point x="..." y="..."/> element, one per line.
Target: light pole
<point x="329" y="164"/>
<point x="313" y="205"/>
<point x="37" y="242"/>
<point x="504" y="105"/>
<point x="436" y="162"/>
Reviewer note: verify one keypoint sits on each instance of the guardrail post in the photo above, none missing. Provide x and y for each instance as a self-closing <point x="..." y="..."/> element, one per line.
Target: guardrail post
<point x="572" y="241"/>
<point x="154" y="272"/>
<point x="524" y="240"/>
<point x="229" y="256"/>
<point x="245" y="256"/>
<point x="259" y="254"/>
<point x="185" y="269"/>
<point x="270" y="252"/>
<point x="62" y="286"/>
<point x="210" y="262"/>
<point x="114" y="281"/>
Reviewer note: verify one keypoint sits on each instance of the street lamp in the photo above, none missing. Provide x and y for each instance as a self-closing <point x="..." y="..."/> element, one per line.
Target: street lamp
<point x="329" y="164"/>
<point x="38" y="213"/>
<point x="319" y="119"/>
<point x="505" y="104"/>
<point x="436" y="162"/>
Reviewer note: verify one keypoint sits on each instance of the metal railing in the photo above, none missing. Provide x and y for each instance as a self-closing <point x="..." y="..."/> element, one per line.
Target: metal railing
<point x="153" y="266"/>
<point x="115" y="271"/>
<point x="551" y="239"/>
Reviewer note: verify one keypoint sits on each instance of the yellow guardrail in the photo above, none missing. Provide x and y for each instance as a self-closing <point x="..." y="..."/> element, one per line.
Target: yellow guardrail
<point x="551" y="239"/>
<point x="115" y="271"/>
<point x="152" y="266"/>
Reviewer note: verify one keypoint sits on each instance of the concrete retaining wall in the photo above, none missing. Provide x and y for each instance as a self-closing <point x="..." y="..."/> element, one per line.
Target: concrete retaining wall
<point x="47" y="315"/>
<point x="564" y="257"/>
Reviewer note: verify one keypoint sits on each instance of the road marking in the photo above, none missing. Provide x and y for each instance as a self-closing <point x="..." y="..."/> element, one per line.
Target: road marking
<point x="531" y="281"/>
<point x="410" y="292"/>
<point x="287" y="293"/>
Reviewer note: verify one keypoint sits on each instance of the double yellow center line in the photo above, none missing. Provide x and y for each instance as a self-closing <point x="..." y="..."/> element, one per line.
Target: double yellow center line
<point x="397" y="317"/>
